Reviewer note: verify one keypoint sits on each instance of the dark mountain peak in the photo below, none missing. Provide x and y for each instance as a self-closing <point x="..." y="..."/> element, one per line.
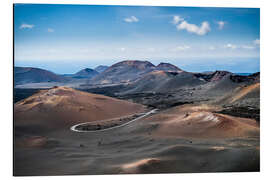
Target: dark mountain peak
<point x="167" y="67"/>
<point x="101" y="68"/>
<point x="218" y="75"/>
<point x="135" y="63"/>
<point x="86" y="70"/>
<point x="86" y="73"/>
<point x="212" y="76"/>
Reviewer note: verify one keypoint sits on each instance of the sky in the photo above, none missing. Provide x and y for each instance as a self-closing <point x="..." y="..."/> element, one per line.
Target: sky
<point x="67" y="38"/>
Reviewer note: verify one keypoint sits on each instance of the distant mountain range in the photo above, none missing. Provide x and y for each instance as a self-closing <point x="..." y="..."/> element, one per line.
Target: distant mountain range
<point x="130" y="70"/>
<point x="139" y="75"/>
<point x="142" y="80"/>
<point x="25" y="75"/>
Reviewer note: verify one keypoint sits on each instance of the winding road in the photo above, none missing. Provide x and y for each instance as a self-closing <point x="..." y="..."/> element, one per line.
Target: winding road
<point x="73" y="128"/>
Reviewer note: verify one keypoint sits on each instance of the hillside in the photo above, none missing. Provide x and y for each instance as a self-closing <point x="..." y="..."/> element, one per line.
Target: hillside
<point x="101" y="68"/>
<point x="167" y="67"/>
<point x="130" y="70"/>
<point x="124" y="71"/>
<point x="85" y="73"/>
<point x="24" y="75"/>
<point x="200" y="121"/>
<point x="163" y="81"/>
<point x="61" y="107"/>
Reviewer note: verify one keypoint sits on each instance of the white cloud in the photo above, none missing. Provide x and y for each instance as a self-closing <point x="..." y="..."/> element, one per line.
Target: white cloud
<point x="131" y="19"/>
<point x="230" y="46"/>
<point x="192" y="28"/>
<point x="26" y="26"/>
<point x="50" y="30"/>
<point x="256" y="42"/>
<point x="181" y="48"/>
<point x="221" y="24"/>
<point x="177" y="19"/>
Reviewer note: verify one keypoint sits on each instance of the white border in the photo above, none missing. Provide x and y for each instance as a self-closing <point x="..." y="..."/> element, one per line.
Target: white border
<point x="6" y="85"/>
<point x="201" y="3"/>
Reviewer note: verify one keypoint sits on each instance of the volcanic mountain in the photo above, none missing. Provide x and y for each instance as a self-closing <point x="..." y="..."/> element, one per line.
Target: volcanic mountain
<point x="85" y="73"/>
<point x="129" y="70"/>
<point x="61" y="107"/>
<point x="24" y="75"/>
<point x="164" y="81"/>
<point x="123" y="72"/>
<point x="213" y="76"/>
<point x="167" y="67"/>
<point x="223" y="82"/>
<point x="101" y="68"/>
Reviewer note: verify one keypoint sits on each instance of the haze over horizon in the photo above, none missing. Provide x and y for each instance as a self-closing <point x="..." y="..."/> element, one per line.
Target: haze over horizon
<point x="67" y="38"/>
<point x="71" y="68"/>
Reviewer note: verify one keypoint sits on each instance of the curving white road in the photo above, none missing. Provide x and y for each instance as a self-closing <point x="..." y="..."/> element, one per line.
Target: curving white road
<point x="73" y="128"/>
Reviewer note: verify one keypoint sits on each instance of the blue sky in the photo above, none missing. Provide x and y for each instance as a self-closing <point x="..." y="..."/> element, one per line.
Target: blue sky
<point x="67" y="38"/>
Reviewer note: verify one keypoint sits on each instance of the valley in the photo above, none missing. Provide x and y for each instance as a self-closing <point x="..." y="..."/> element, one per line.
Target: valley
<point x="135" y="117"/>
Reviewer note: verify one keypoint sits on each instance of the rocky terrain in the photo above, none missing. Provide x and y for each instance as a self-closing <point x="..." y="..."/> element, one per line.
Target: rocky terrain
<point x="63" y="107"/>
<point x="201" y="122"/>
